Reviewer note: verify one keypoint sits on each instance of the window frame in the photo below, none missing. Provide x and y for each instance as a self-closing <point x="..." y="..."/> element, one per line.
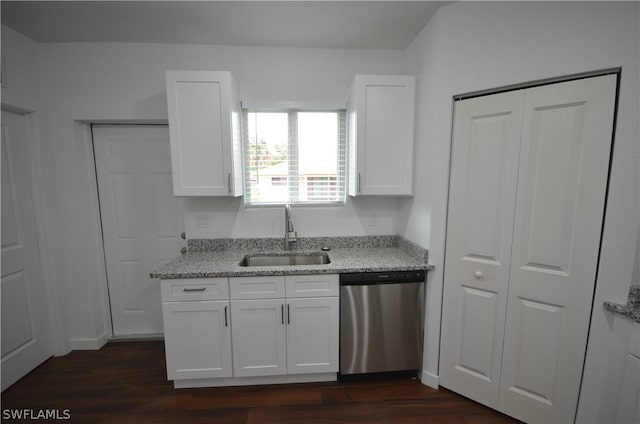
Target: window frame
<point x="292" y="165"/>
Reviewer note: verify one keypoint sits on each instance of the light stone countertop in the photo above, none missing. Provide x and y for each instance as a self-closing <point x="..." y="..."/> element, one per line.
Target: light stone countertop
<point x="632" y="309"/>
<point x="224" y="262"/>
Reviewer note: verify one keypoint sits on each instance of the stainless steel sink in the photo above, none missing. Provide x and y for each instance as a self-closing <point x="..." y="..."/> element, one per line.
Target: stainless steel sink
<point x="286" y="259"/>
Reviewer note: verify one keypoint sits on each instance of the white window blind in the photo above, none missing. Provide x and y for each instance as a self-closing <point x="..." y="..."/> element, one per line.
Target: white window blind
<point x="295" y="157"/>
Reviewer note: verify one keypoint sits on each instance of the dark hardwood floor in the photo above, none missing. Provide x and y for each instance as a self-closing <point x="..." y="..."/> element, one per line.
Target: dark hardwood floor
<point x="126" y="383"/>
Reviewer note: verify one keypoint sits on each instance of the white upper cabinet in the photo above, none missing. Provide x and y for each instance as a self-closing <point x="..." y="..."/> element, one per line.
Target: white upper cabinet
<point x="204" y="126"/>
<point x="381" y="116"/>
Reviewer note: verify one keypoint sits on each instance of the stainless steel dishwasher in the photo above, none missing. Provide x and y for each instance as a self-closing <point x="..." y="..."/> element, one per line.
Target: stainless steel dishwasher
<point x="381" y="316"/>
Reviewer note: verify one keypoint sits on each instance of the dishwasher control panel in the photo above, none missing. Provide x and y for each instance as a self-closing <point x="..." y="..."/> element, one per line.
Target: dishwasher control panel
<point x="382" y="277"/>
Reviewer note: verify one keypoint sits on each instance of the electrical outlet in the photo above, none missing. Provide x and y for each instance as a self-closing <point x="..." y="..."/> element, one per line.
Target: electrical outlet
<point x="373" y="220"/>
<point x="202" y="221"/>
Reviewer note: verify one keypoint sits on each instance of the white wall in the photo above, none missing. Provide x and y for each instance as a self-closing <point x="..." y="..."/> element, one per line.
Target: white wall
<point x="125" y="82"/>
<point x="482" y="45"/>
<point x="21" y="85"/>
<point x="229" y="218"/>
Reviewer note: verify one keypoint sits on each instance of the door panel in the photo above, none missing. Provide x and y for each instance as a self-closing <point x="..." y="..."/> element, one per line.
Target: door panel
<point x="538" y="325"/>
<point x="477" y="333"/>
<point x="312" y="335"/>
<point x="199" y="345"/>
<point x="482" y="196"/>
<point x="25" y="334"/>
<point x="552" y="181"/>
<point x="564" y="163"/>
<point x="141" y="220"/>
<point x="258" y="337"/>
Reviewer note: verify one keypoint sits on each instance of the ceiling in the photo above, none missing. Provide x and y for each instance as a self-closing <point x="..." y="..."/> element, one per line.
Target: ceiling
<point x="322" y="24"/>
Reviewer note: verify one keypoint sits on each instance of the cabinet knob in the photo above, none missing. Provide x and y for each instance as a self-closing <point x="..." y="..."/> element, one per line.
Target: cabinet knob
<point x="183" y="250"/>
<point x="183" y="236"/>
<point x="478" y="275"/>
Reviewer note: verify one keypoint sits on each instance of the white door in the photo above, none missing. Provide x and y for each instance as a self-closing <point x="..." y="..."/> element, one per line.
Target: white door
<point x="521" y="261"/>
<point x="312" y="335"/>
<point x="562" y="181"/>
<point x="486" y="146"/>
<point x="259" y="337"/>
<point x="25" y="334"/>
<point x="198" y="339"/>
<point x="141" y="220"/>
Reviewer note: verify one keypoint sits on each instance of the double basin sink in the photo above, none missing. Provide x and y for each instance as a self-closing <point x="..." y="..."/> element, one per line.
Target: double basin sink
<point x="286" y="259"/>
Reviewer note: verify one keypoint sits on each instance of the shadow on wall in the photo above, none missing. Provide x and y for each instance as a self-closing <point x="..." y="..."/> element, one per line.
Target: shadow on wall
<point x="155" y="106"/>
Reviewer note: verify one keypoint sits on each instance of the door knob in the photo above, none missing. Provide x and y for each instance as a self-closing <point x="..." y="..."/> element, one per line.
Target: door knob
<point x="478" y="275"/>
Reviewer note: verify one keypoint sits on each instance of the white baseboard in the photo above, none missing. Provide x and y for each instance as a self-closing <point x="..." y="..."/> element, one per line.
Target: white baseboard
<point x="89" y="344"/>
<point x="251" y="381"/>
<point x="137" y="337"/>
<point x="430" y="380"/>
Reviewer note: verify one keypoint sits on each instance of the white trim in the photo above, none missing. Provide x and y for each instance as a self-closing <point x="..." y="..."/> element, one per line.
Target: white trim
<point x="429" y="379"/>
<point x="89" y="344"/>
<point x="252" y="381"/>
<point x="137" y="337"/>
<point x="84" y="137"/>
<point x="46" y="212"/>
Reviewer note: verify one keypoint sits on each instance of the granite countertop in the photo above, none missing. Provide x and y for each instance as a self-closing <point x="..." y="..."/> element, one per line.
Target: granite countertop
<point x="631" y="309"/>
<point x="361" y="254"/>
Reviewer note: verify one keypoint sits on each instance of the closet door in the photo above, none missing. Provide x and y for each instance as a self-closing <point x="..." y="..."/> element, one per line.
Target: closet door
<point x="562" y="180"/>
<point x="482" y="194"/>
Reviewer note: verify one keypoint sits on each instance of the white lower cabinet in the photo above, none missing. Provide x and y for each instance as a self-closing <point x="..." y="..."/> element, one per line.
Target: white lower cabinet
<point x="197" y="339"/>
<point x="234" y="332"/>
<point x="628" y="408"/>
<point x="291" y="335"/>
<point x="312" y="335"/>
<point x="197" y="328"/>
<point x="259" y="337"/>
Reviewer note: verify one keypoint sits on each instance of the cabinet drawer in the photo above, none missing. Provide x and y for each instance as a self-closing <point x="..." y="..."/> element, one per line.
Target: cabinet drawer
<point x="195" y="289"/>
<point x="270" y="287"/>
<point x="321" y="285"/>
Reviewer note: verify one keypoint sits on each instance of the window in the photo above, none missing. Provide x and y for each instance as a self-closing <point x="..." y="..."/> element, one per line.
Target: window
<point x="295" y="157"/>
<point x="320" y="188"/>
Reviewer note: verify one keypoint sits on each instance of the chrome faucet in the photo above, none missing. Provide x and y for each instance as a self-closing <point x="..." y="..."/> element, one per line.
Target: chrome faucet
<point x="290" y="235"/>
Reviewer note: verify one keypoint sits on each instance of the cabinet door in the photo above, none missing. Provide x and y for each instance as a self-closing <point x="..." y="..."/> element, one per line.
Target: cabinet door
<point x="259" y="337"/>
<point x="204" y="138"/>
<point x="312" y="335"/>
<point x="197" y="339"/>
<point x="381" y="135"/>
<point x="628" y="409"/>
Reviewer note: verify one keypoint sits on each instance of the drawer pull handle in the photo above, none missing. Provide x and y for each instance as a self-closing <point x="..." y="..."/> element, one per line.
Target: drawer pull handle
<point x="199" y="289"/>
